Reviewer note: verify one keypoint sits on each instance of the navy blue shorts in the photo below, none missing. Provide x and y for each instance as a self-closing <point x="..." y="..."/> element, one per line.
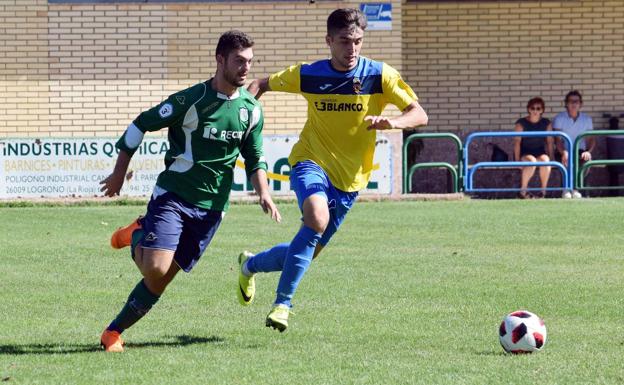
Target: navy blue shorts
<point x="308" y="178"/>
<point x="173" y="224"/>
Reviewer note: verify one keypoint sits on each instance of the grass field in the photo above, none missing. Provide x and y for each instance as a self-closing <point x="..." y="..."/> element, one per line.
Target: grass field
<point x="407" y="293"/>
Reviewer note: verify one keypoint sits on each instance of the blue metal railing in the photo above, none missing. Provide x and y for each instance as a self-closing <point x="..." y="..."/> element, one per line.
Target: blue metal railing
<point x="566" y="173"/>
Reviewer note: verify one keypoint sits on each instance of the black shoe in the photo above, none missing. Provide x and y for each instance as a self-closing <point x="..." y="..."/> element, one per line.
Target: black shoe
<point x="524" y="195"/>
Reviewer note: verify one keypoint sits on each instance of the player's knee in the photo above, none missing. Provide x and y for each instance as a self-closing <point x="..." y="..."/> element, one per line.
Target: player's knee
<point x="317" y="221"/>
<point x="154" y="268"/>
<point x="153" y="272"/>
<point x="316" y="213"/>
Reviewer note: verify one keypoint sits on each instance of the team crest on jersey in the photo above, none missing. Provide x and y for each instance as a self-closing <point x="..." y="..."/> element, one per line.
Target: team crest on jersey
<point x="357" y="85"/>
<point x="243" y="114"/>
<point x="165" y="110"/>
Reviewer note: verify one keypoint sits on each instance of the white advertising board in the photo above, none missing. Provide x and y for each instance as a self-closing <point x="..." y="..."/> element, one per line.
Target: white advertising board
<point x="56" y="168"/>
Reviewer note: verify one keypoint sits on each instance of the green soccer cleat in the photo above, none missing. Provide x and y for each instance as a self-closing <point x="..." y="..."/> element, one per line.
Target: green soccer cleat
<point x="278" y="317"/>
<point x="246" y="285"/>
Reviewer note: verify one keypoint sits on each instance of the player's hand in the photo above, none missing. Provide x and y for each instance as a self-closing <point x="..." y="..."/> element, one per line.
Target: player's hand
<point x="378" y="123"/>
<point x="111" y="186"/>
<point x="586" y="156"/>
<point x="269" y="208"/>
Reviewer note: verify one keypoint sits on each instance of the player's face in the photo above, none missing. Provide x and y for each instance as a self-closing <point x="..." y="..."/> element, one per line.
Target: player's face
<point x="237" y="65"/>
<point x="345" y="47"/>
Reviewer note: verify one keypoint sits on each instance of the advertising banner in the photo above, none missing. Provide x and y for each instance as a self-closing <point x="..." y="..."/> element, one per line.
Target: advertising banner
<point x="73" y="167"/>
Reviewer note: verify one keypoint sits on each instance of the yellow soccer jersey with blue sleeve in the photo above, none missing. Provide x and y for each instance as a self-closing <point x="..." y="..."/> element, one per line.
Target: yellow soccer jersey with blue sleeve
<point x="335" y="135"/>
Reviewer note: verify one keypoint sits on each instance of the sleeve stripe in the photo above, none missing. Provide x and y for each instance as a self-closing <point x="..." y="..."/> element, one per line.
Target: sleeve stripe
<point x="255" y="118"/>
<point x="134" y="136"/>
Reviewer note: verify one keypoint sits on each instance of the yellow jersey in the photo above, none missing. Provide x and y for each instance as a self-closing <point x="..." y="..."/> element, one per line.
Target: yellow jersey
<point x="335" y="135"/>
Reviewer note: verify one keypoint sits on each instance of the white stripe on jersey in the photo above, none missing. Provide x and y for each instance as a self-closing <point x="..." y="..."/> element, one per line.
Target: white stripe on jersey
<point x="184" y="161"/>
<point x="256" y="114"/>
<point x="134" y="136"/>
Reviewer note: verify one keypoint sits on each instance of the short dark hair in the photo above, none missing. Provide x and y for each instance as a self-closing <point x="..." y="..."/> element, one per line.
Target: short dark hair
<point x="536" y="100"/>
<point x="233" y="40"/>
<point x="343" y="18"/>
<point x="573" y="93"/>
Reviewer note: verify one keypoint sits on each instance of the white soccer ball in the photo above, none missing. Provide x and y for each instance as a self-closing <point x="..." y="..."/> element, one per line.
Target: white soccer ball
<point x="522" y="332"/>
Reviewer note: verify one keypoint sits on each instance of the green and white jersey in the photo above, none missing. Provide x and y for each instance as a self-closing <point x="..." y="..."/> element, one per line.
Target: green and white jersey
<point x="207" y="131"/>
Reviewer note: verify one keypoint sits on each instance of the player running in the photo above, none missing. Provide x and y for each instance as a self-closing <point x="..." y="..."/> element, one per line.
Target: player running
<point x="209" y="125"/>
<point x="333" y="158"/>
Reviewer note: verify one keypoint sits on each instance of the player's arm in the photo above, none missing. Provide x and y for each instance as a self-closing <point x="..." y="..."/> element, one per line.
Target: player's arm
<point x="256" y="165"/>
<point x="158" y="117"/>
<point x="399" y="93"/>
<point x="258" y="87"/>
<point x="127" y="145"/>
<point x="113" y="183"/>
<point x="287" y="80"/>
<point x="260" y="183"/>
<point x="413" y="116"/>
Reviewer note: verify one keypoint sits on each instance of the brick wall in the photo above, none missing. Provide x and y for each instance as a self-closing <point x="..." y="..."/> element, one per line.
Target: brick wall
<point x="24" y="67"/>
<point x="475" y="65"/>
<point x="89" y="69"/>
<point x="76" y="70"/>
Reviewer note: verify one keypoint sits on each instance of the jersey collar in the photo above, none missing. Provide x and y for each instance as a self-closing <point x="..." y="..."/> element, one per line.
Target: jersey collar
<point x="235" y="95"/>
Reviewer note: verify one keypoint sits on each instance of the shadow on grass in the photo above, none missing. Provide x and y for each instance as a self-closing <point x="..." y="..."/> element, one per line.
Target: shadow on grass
<point x="182" y="340"/>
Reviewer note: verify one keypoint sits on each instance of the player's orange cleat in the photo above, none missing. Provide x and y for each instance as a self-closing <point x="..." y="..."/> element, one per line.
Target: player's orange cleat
<point x="111" y="341"/>
<point x="122" y="237"/>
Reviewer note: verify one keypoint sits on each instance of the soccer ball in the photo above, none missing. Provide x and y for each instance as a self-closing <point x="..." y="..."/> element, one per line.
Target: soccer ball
<point x="522" y="332"/>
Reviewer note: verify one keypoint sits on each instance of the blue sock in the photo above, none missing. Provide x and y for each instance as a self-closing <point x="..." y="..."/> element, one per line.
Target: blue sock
<point x="297" y="260"/>
<point x="268" y="260"/>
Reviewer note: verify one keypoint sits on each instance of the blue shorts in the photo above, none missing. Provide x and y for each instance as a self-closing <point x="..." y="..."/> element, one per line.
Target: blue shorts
<point x="308" y="178"/>
<point x="173" y="224"/>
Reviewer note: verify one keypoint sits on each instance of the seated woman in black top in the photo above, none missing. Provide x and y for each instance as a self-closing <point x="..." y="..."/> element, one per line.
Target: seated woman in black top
<point x="533" y="149"/>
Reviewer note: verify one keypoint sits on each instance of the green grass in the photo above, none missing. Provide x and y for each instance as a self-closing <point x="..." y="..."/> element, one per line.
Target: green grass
<point x="406" y="293"/>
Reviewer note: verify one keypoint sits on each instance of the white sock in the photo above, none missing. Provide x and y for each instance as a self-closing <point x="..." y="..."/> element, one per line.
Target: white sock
<point x="245" y="270"/>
